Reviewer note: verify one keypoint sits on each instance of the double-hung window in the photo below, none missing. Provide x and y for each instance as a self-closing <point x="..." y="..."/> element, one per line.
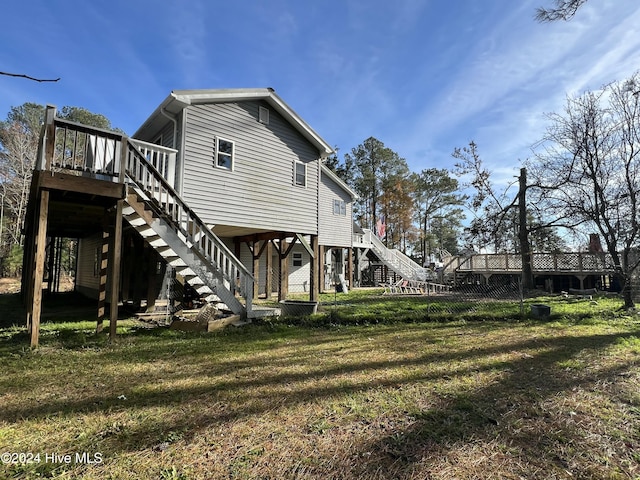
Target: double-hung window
<point x="339" y="207"/>
<point x="300" y="174"/>
<point x="223" y="153"/>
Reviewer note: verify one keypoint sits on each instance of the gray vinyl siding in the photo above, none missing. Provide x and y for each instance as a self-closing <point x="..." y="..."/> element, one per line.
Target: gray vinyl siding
<point x="260" y="192"/>
<point x="87" y="281"/>
<point x="299" y="277"/>
<point x="334" y="230"/>
<point x="166" y="132"/>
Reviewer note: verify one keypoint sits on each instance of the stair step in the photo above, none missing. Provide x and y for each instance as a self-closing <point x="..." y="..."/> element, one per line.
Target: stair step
<point x="136" y="222"/>
<point x="128" y="210"/>
<point x="157" y="242"/>
<point x="155" y="224"/>
<point x="203" y="290"/>
<point x="166" y="251"/>
<point x="146" y="231"/>
<point x="176" y="262"/>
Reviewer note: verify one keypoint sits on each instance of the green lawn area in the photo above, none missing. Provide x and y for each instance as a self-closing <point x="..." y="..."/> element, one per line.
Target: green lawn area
<point x="371" y="387"/>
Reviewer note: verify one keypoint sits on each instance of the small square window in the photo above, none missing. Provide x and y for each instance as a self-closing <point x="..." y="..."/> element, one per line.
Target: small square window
<point x="300" y="174"/>
<point x="339" y="207"/>
<point x="223" y="154"/>
<point x="297" y="259"/>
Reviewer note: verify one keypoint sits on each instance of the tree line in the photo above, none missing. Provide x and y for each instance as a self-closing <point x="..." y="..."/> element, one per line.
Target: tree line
<point x="19" y="136"/>
<point x="582" y="180"/>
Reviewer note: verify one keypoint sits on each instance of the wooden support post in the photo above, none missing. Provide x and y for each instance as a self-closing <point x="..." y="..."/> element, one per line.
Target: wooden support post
<point x="128" y="257"/>
<point x="321" y="270"/>
<point x="103" y="264"/>
<point x="350" y="267"/>
<point x="152" y="290"/>
<point x="256" y="267"/>
<point x="314" y="274"/>
<point x="116" y="257"/>
<point x="268" y="264"/>
<point x="257" y="250"/>
<point x="283" y="279"/>
<point x="38" y="276"/>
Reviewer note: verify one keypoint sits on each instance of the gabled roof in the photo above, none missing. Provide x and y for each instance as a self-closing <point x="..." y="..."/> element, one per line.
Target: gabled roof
<point x="180" y="99"/>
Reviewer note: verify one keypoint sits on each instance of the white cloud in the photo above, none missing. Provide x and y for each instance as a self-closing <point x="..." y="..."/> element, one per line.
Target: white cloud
<point x="522" y="70"/>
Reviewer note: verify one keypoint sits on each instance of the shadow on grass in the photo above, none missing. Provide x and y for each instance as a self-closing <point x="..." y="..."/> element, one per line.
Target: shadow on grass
<point x="233" y="386"/>
<point x="462" y="417"/>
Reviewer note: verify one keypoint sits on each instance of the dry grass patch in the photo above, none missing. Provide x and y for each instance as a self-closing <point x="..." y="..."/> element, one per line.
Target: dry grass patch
<point x="411" y="400"/>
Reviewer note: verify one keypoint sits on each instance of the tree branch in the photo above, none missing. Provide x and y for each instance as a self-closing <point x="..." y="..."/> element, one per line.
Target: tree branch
<point x="20" y="75"/>
<point x="565" y="9"/>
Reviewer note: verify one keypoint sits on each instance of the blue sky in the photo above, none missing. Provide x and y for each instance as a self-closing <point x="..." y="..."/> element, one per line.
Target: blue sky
<point x="422" y="76"/>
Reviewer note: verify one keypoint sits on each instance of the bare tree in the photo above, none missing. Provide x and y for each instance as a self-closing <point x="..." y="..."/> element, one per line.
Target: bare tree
<point x="564" y="10"/>
<point x="590" y="161"/>
<point x="507" y="222"/>
<point x="19" y="135"/>
<point x="18" y="148"/>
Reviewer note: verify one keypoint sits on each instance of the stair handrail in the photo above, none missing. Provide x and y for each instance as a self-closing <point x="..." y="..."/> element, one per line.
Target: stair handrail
<point x="388" y="256"/>
<point x="204" y="242"/>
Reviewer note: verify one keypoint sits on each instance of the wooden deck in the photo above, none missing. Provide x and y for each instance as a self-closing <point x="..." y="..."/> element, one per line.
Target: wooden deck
<point x="578" y="264"/>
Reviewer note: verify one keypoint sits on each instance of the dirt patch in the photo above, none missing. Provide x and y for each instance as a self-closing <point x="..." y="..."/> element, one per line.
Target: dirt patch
<point x="12" y="285"/>
<point x="9" y="285"/>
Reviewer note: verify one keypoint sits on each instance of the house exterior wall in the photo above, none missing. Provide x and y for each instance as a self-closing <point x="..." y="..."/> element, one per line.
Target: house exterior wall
<point x="167" y="139"/>
<point x="88" y="274"/>
<point x="335" y="229"/>
<point x="299" y="276"/>
<point x="259" y="192"/>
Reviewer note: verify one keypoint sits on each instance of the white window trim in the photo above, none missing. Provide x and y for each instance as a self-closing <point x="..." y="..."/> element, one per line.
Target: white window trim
<point x="297" y="257"/>
<point x="295" y="174"/>
<point x="216" y="143"/>
<point x="339" y="207"/>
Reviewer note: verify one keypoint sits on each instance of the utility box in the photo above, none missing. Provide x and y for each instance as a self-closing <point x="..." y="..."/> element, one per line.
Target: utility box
<point x="540" y="311"/>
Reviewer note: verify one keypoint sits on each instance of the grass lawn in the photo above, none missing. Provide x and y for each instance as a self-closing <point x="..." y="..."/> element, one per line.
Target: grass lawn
<point x="374" y="387"/>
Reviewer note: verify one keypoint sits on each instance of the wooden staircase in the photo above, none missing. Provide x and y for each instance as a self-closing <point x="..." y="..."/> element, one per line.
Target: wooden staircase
<point x="395" y="259"/>
<point x="158" y="213"/>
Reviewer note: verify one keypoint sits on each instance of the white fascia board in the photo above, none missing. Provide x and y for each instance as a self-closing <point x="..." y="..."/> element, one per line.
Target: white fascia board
<point x="192" y="97"/>
<point x="332" y="175"/>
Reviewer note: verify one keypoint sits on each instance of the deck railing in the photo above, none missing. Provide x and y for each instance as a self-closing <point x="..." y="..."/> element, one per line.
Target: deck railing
<point x="541" y="262"/>
<point x="394" y="259"/>
<point x="83" y="151"/>
<point x="187" y="223"/>
<point x="162" y="158"/>
<point x="97" y="153"/>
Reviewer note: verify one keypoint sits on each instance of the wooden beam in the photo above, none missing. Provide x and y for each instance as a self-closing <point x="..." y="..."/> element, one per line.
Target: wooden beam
<point x="283" y="279"/>
<point x="268" y="264"/>
<point x="306" y="245"/>
<point x="350" y="267"/>
<point x="38" y="276"/>
<point x="256" y="269"/>
<point x="152" y="266"/>
<point x="103" y="265"/>
<point x="264" y="236"/>
<point x="91" y="186"/>
<point x="115" y="270"/>
<point x="314" y="274"/>
<point x="321" y="255"/>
